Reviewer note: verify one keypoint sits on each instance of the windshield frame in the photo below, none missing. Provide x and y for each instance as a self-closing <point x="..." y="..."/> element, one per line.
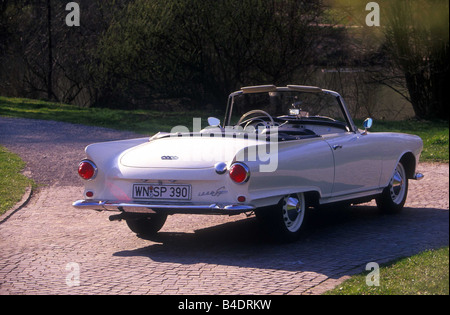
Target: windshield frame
<point x="340" y="100"/>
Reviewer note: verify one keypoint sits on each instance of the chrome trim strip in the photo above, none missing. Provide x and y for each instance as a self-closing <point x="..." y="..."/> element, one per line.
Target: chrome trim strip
<point x="355" y="195"/>
<point x="150" y="208"/>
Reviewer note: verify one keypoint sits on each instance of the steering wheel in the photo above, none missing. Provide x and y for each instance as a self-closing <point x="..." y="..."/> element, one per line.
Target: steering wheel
<point x="255" y="111"/>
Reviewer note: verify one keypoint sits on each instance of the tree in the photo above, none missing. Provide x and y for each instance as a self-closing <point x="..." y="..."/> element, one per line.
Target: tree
<point x="42" y="57"/>
<point x="205" y="49"/>
<point x="417" y="40"/>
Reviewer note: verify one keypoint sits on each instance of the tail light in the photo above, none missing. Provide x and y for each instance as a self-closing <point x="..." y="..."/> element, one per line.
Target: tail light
<point x="87" y="169"/>
<point x="239" y="173"/>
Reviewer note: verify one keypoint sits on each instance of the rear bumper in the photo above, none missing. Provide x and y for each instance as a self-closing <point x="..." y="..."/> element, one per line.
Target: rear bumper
<point x="169" y="208"/>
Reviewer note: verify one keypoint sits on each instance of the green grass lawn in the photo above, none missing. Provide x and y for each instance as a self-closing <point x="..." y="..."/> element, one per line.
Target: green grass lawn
<point x="140" y="121"/>
<point x="423" y="274"/>
<point x="12" y="182"/>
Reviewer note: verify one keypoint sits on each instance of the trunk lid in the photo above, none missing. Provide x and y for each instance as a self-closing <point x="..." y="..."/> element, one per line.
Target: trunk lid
<point x="186" y="152"/>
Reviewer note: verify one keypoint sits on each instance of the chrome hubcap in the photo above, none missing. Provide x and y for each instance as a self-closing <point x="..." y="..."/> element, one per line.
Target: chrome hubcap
<point x="293" y="211"/>
<point x="397" y="184"/>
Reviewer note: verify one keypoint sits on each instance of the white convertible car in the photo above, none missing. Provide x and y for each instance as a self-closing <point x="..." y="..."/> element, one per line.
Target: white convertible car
<point x="280" y="152"/>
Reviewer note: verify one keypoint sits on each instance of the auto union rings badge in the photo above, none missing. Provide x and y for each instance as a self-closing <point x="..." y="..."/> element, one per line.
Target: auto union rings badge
<point x="169" y="157"/>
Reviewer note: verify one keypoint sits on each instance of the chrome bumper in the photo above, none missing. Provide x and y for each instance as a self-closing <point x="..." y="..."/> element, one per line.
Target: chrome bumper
<point x="144" y="208"/>
<point x="418" y="176"/>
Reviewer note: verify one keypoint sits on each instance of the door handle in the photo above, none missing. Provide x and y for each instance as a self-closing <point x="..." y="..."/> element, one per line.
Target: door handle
<point x="337" y="146"/>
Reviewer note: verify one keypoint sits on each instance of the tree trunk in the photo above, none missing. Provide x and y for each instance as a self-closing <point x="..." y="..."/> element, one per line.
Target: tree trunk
<point x="50" y="52"/>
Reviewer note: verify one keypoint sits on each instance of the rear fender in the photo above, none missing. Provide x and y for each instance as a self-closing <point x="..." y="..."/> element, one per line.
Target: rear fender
<point x="103" y="152"/>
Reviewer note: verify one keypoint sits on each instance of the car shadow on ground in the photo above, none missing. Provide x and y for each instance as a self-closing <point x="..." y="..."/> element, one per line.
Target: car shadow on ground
<point x="334" y="241"/>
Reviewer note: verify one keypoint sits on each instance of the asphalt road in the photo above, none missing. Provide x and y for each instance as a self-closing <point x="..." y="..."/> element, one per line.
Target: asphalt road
<point x="48" y="247"/>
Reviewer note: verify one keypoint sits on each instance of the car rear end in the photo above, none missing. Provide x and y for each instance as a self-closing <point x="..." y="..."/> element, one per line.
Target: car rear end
<point x="160" y="178"/>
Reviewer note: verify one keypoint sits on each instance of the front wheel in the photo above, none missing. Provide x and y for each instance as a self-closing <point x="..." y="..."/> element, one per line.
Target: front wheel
<point x="147" y="226"/>
<point x="284" y="220"/>
<point x="393" y="197"/>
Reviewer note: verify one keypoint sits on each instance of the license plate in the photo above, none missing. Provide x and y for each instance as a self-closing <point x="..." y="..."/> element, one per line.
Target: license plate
<point x="155" y="191"/>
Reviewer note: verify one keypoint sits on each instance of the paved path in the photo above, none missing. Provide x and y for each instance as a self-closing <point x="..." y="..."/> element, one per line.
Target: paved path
<point x="44" y="244"/>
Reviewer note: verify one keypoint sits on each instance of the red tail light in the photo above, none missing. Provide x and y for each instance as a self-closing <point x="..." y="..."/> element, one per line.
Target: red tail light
<point x="239" y="173"/>
<point x="87" y="169"/>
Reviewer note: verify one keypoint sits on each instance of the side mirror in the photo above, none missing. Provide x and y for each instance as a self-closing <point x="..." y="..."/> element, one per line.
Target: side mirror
<point x="367" y="125"/>
<point x="213" y="122"/>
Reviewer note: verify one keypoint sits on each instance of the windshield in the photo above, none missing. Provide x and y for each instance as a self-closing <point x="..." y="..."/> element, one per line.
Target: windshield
<point x="288" y="105"/>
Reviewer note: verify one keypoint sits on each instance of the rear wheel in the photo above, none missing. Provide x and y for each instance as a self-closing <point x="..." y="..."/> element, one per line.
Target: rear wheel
<point x="285" y="220"/>
<point x="147" y="226"/>
<point x="393" y="197"/>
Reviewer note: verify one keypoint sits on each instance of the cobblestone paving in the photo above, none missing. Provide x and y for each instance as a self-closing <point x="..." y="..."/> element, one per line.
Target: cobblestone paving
<point x="43" y="243"/>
